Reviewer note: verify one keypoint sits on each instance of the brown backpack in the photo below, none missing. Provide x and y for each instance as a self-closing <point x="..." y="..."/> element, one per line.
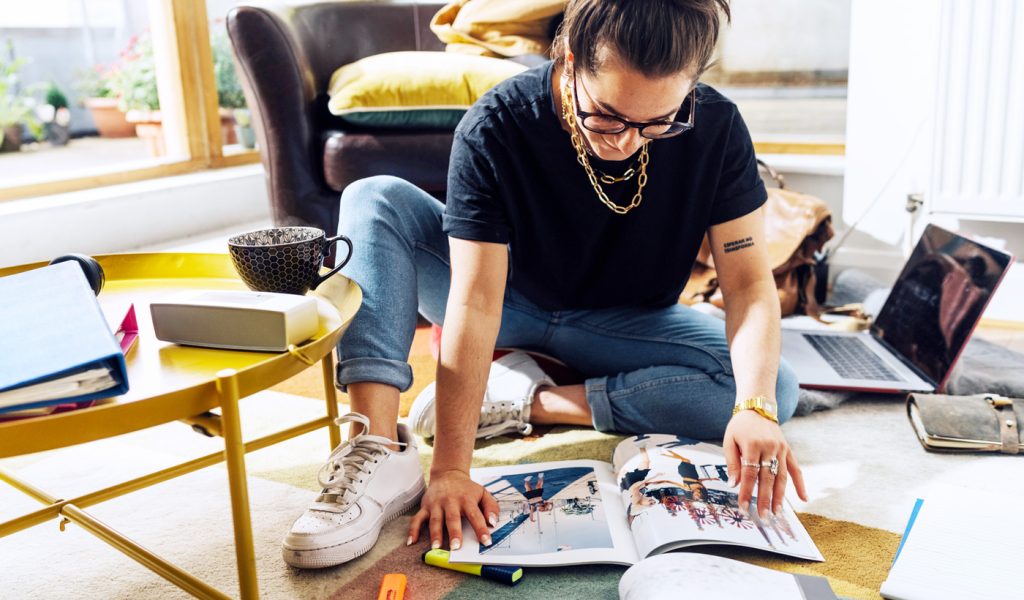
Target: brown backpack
<point x="797" y="226"/>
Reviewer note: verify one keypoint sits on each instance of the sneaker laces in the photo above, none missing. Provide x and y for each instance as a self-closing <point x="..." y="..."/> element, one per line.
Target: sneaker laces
<point x="501" y="417"/>
<point x="342" y="476"/>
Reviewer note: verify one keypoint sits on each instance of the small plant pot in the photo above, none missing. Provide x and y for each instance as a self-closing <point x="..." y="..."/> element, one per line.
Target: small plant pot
<point x="227" y="127"/>
<point x="108" y="118"/>
<point x="12" y="139"/>
<point x="246" y="136"/>
<point x="57" y="135"/>
<point x="149" y="127"/>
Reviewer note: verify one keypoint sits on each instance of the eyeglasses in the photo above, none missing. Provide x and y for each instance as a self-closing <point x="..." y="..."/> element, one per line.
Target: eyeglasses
<point x="610" y="124"/>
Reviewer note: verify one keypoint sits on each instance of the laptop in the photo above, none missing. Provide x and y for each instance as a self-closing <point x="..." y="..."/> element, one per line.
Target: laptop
<point x="921" y="329"/>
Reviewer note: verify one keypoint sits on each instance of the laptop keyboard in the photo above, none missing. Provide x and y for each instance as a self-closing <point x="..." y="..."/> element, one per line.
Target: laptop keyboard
<point x="851" y="358"/>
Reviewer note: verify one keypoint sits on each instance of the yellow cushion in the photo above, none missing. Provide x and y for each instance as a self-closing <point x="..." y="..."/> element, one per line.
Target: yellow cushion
<point x="414" y="89"/>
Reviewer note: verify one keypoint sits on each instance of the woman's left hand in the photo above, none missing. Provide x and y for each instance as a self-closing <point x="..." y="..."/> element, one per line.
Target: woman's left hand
<point x="752" y="440"/>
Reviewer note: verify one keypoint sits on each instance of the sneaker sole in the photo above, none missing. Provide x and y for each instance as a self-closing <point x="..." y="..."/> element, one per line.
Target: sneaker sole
<point x="329" y="556"/>
<point x="416" y="413"/>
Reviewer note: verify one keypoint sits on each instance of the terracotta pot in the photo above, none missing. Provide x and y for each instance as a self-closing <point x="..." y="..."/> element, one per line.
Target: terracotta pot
<point x="149" y="126"/>
<point x="12" y="139"/>
<point x="227" y="126"/>
<point x="109" y="119"/>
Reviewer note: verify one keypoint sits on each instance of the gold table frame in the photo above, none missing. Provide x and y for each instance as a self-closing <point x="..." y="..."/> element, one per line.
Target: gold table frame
<point x="177" y="383"/>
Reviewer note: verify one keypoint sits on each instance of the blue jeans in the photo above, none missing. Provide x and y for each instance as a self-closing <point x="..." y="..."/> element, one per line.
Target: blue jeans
<point x="649" y="370"/>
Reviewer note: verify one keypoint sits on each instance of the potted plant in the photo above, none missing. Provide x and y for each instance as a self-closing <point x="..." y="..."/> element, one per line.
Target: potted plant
<point x="243" y="128"/>
<point x="133" y="82"/>
<point x="94" y="86"/>
<point x="16" y="105"/>
<point x="55" y="116"/>
<point x="230" y="98"/>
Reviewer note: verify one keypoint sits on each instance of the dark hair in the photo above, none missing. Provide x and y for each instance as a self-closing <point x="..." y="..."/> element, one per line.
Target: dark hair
<point x="656" y="37"/>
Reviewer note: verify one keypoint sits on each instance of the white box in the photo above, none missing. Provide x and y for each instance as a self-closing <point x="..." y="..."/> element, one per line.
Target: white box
<point x="236" y="320"/>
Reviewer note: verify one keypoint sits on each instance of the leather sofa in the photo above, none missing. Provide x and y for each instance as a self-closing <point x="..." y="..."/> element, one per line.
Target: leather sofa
<point x="286" y="57"/>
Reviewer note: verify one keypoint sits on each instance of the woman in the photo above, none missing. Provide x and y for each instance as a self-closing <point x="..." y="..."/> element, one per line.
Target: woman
<point x="579" y="193"/>
<point x="691" y="480"/>
<point x="535" y="497"/>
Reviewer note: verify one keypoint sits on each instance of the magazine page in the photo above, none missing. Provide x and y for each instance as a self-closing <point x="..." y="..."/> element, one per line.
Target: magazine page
<point x="676" y="493"/>
<point x="557" y="513"/>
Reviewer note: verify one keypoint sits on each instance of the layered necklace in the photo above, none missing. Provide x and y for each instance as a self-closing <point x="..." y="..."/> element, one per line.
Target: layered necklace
<point x="581" y="157"/>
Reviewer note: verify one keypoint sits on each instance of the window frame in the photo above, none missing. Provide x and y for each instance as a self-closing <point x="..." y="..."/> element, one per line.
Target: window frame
<point x="188" y="53"/>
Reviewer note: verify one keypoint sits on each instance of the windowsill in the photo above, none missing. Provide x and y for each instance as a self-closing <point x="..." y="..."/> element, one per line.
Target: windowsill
<point x="138" y="188"/>
<point x="807" y="164"/>
<point x="121" y="217"/>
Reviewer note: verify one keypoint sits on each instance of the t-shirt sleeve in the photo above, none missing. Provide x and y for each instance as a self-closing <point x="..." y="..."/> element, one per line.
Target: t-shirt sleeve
<point x="474" y="209"/>
<point x="740" y="189"/>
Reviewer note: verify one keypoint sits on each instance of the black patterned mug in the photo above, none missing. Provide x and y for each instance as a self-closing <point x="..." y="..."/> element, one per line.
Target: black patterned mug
<point x="284" y="259"/>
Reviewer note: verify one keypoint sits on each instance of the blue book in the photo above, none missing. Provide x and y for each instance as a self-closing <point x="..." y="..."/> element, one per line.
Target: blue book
<point x="55" y="344"/>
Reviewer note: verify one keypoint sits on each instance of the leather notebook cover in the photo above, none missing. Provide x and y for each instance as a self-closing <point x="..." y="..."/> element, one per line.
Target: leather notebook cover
<point x="978" y="423"/>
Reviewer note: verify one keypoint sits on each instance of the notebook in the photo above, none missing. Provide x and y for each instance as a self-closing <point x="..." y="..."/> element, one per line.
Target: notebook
<point x="956" y="547"/>
<point x="55" y="344"/>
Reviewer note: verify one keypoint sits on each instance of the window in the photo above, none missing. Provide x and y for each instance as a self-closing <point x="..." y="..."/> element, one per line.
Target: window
<point x="107" y="91"/>
<point x="238" y="135"/>
<point x="785" y="64"/>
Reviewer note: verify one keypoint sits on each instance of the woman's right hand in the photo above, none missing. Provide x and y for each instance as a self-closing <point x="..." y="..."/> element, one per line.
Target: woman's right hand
<point x="451" y="496"/>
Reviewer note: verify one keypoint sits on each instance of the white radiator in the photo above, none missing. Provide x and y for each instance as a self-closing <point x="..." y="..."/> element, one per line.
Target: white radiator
<point x="978" y="157"/>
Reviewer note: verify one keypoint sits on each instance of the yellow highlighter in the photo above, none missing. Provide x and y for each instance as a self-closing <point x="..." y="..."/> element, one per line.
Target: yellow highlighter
<point x="504" y="574"/>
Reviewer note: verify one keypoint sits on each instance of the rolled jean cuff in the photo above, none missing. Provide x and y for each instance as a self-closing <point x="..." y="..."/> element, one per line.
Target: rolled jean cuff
<point x="600" y="407"/>
<point x="395" y="373"/>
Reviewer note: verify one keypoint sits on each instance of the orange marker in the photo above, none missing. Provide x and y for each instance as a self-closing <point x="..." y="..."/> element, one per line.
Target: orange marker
<point x="392" y="587"/>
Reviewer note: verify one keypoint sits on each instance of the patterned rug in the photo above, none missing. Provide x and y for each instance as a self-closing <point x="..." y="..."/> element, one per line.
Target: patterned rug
<point x="187" y="520"/>
<point x="857" y="557"/>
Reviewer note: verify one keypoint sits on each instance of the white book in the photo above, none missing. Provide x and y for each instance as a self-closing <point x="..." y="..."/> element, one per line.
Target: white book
<point x="663" y="577"/>
<point x="957" y="547"/>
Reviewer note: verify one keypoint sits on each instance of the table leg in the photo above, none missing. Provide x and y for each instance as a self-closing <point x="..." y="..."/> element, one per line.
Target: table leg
<point x="332" y="399"/>
<point x="143" y="556"/>
<point x="234" y="455"/>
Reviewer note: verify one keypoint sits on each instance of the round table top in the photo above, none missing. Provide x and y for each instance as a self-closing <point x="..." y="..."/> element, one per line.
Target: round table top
<point x="167" y="381"/>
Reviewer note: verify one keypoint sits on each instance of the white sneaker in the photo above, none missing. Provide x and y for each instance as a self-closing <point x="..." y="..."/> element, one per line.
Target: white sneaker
<point x="513" y="380"/>
<point x="365" y="485"/>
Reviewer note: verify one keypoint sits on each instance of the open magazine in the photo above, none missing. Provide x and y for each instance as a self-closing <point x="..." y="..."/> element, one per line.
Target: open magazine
<point x="660" y="493"/>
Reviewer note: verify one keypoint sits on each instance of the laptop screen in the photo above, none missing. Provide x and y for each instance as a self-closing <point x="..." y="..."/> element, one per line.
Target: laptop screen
<point x="938" y="299"/>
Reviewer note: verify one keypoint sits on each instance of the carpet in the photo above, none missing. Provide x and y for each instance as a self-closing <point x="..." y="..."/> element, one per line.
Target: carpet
<point x="862" y="465"/>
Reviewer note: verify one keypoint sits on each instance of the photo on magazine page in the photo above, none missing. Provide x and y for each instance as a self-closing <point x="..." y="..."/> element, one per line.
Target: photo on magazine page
<point x="552" y="514"/>
<point x="676" y="492"/>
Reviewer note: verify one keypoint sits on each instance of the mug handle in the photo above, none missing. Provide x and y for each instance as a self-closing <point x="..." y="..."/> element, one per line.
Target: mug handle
<point x="327" y="244"/>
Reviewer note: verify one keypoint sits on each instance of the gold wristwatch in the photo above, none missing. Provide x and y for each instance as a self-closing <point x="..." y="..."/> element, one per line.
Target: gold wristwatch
<point x="761" y="405"/>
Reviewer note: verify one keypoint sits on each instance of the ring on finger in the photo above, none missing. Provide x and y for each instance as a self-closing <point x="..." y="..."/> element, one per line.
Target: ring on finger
<point x="754" y="465"/>
<point x="772" y="466"/>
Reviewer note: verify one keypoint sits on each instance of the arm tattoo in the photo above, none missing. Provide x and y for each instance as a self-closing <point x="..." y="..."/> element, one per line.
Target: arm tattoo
<point x="739" y="244"/>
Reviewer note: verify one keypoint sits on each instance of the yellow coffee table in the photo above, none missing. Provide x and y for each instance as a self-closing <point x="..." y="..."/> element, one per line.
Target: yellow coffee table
<point x="177" y="383"/>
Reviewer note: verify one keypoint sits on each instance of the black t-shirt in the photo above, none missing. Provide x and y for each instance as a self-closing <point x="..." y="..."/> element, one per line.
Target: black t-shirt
<point x="514" y="179"/>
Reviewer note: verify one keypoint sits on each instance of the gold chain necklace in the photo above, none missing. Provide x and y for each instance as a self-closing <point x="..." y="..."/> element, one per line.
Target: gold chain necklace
<point x="610" y="179"/>
<point x="581" y="157"/>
